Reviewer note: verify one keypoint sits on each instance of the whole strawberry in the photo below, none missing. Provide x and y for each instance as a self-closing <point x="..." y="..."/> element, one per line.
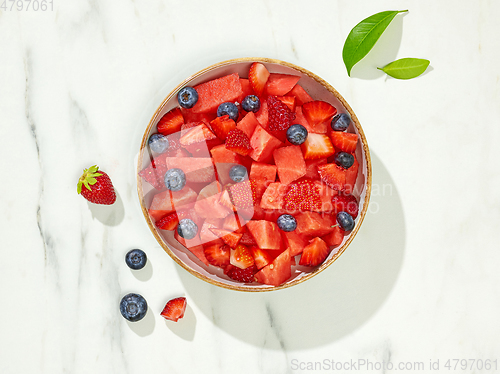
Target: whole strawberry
<point x="97" y="187"/>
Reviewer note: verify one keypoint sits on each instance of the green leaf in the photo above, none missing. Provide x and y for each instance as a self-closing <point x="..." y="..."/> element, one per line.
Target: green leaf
<point x="406" y="68"/>
<point x="364" y="35"/>
<point x="93" y="169"/>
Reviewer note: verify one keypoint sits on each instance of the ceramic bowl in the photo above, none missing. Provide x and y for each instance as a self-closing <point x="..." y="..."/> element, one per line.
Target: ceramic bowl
<point x="318" y="89"/>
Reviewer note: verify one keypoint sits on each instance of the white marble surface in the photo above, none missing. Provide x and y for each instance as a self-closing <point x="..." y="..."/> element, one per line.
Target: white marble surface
<point x="420" y="282"/>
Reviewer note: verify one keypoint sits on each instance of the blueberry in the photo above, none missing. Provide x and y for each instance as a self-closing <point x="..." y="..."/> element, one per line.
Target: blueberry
<point x="175" y="179"/>
<point x="228" y="108"/>
<point x="296" y="134"/>
<point x="136" y="259"/>
<point x="286" y="222"/>
<point x="341" y="122"/>
<point x="344" y="159"/>
<point x="158" y="143"/>
<point x="345" y="221"/>
<point x="187" y="97"/>
<point x="251" y="103"/>
<point x="187" y="228"/>
<point x="133" y="307"/>
<point x="238" y="173"/>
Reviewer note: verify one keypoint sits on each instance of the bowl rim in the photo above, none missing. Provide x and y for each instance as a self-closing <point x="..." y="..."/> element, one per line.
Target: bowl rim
<point x="365" y="150"/>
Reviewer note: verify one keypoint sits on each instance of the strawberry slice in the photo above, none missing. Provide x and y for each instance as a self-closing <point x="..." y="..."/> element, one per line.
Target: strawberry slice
<point x="318" y="113"/>
<point x="344" y="141"/>
<point x="155" y="172"/>
<point x="174" y="309"/>
<point x="243" y="194"/>
<point x="346" y="203"/>
<point x="258" y="76"/>
<point x="241" y="275"/>
<point x="261" y="257"/>
<point x="315" y="253"/>
<point x="289" y="101"/>
<point x="171" y="122"/>
<point x="303" y="195"/>
<point x="247" y="239"/>
<point x="241" y="257"/>
<point x="335" y="238"/>
<point x="280" y="117"/>
<point x="317" y="146"/>
<point x="217" y="254"/>
<point x="222" y="125"/>
<point x="333" y="176"/>
<point x="238" y="142"/>
<point x="169" y="222"/>
<point x="230" y="238"/>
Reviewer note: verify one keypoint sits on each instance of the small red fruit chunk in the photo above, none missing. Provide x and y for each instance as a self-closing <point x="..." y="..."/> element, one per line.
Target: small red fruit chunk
<point x="334" y="238"/>
<point x="95" y="186"/>
<point x="280" y="84"/>
<point x="258" y="76"/>
<point x="243" y="194"/>
<point x="174" y="309"/>
<point x="303" y="195"/>
<point x="317" y="146"/>
<point x="230" y="238"/>
<point x="238" y="142"/>
<point x="344" y="141"/>
<point x="333" y="175"/>
<point x="301" y="96"/>
<point x="248" y="124"/>
<point x="261" y="257"/>
<point x="277" y="272"/>
<point x="169" y="222"/>
<point x="273" y="197"/>
<point x="294" y="242"/>
<point x="217" y="91"/>
<point x="346" y="203"/>
<point x="290" y="163"/>
<point x="263" y="145"/>
<point x="315" y="253"/>
<point x="171" y="122"/>
<point x="314" y="224"/>
<point x="222" y="125"/>
<point x="265" y="233"/>
<point x="318" y="114"/>
<point x="217" y="254"/>
<point x="241" y="257"/>
<point x="241" y="275"/>
<point x="280" y="117"/>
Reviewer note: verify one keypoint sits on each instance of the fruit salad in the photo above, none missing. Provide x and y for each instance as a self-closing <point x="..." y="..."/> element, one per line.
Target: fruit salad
<point x="253" y="176"/>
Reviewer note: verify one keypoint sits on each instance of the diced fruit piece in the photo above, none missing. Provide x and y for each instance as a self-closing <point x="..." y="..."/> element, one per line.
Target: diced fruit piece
<point x="317" y="146"/>
<point x="217" y="91"/>
<point x="198" y="140"/>
<point x="224" y="160"/>
<point x="301" y="96"/>
<point x="241" y="275"/>
<point x="332" y="175"/>
<point x="314" y="224"/>
<point x="345" y="221"/>
<point x="230" y="238"/>
<point x="155" y="172"/>
<point x="351" y="175"/>
<point x="243" y="194"/>
<point x="222" y="125"/>
<point x="247" y="239"/>
<point x="326" y="194"/>
<point x="312" y="168"/>
<point x="248" y="124"/>
<point x="217" y="254"/>
<point x="238" y="142"/>
<point x="258" y="76"/>
<point x="301" y="120"/>
<point x="290" y="163"/>
<point x="241" y="257"/>
<point x="246" y="88"/>
<point x="192" y="244"/>
<point x="261" y="257"/>
<point x="263" y="114"/>
<point x="263" y="171"/>
<point x="171" y="122"/>
<point x="277" y="272"/>
<point x="231" y="223"/>
<point x="346" y="203"/>
<point x="334" y="238"/>
<point x="273" y="197"/>
<point x="263" y="145"/>
<point x="206" y="233"/>
<point x="225" y="200"/>
<point x="209" y="190"/>
<point x="318" y="114"/>
<point x="174" y="309"/>
<point x="196" y="169"/>
<point x="294" y="242"/>
<point x="189" y="116"/>
<point x="265" y="233"/>
<point x="211" y="207"/>
<point x="280" y="117"/>
<point x="169" y="222"/>
<point x="168" y="201"/>
<point x="315" y="253"/>
<point x="260" y="186"/>
<point x="303" y="195"/>
<point x="344" y="141"/>
<point x="280" y="84"/>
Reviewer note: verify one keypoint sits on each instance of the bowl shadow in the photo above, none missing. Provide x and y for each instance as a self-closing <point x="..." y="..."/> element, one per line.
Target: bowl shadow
<point x="328" y="306"/>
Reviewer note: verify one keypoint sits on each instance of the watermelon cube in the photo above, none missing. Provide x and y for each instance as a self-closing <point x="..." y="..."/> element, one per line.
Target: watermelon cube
<point x="217" y="91"/>
<point x="301" y="96"/>
<point x="280" y="84"/>
<point x="314" y="224"/>
<point x="290" y="163"/>
<point x="265" y="233"/>
<point x="273" y="196"/>
<point x="196" y="169"/>
<point x="248" y="124"/>
<point x="263" y="114"/>
<point x="335" y="238"/>
<point x="246" y="89"/>
<point x="263" y="145"/>
<point x="351" y="175"/>
<point x="294" y="242"/>
<point x="167" y="201"/>
<point x="277" y="272"/>
<point x="263" y="171"/>
<point x="224" y="159"/>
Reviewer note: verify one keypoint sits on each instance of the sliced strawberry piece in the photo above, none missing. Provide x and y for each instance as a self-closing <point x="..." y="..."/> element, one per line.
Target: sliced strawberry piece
<point x="301" y="96"/>
<point x="230" y="238"/>
<point x="317" y="146"/>
<point x="261" y="257"/>
<point x="217" y="91"/>
<point x="289" y="101"/>
<point x="238" y="142"/>
<point x="247" y="239"/>
<point x="222" y="125"/>
<point x="258" y="76"/>
<point x="190" y="125"/>
<point x="169" y="222"/>
<point x="241" y="257"/>
<point x="346" y="203"/>
<point x="174" y="309"/>
<point x="171" y="122"/>
<point x="277" y="272"/>
<point x="335" y="238"/>
<point x="318" y="114"/>
<point x="248" y="124"/>
<point x="243" y="194"/>
<point x="315" y="253"/>
<point x="241" y="275"/>
<point x="333" y="175"/>
<point x="155" y="172"/>
<point x="344" y="141"/>
<point x="312" y="168"/>
<point x="217" y="254"/>
<point x="280" y="117"/>
<point x="303" y="195"/>
<point x="280" y="84"/>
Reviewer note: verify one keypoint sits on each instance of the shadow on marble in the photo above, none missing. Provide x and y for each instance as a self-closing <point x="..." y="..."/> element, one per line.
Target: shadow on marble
<point x="109" y="215"/>
<point x="145" y="326"/>
<point x="332" y="304"/>
<point x="184" y="328"/>
<point x="145" y="273"/>
<point x="383" y="52"/>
